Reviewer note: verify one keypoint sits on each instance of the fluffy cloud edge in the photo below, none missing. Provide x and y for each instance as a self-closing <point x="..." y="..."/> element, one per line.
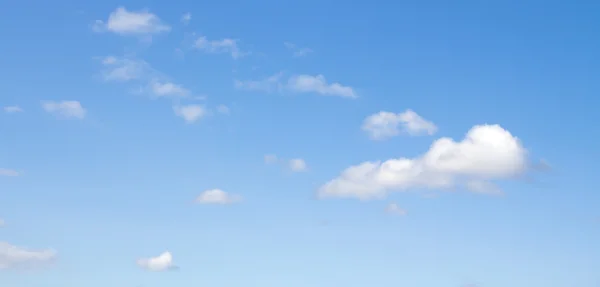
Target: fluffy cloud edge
<point x="160" y="263"/>
<point x="124" y="22"/>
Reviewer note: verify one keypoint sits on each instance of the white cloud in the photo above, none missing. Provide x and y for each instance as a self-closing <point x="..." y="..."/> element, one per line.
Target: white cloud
<point x="12" y="109"/>
<point x="226" y="45"/>
<point x="393" y="208"/>
<point x="297" y="51"/>
<point x="2" y="223"/>
<point x="297" y="165"/>
<point x="186" y="18"/>
<point x="270" y="159"/>
<point x="162" y="262"/>
<point x="17" y="257"/>
<point x="9" y="172"/>
<point x="190" y="113"/>
<point x="163" y="89"/>
<point x="269" y="84"/>
<point x="297" y="84"/>
<point x="124" y="69"/>
<point x="318" y="84"/>
<point x="487" y="153"/>
<point x="384" y="125"/>
<point x="217" y="196"/>
<point x="223" y="109"/>
<point x="67" y="109"/>
<point x="152" y="83"/>
<point x="125" y="22"/>
<point x="130" y="69"/>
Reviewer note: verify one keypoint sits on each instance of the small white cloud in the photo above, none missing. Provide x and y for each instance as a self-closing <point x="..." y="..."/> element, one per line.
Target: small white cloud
<point x="186" y="18"/>
<point x="222" y="109"/>
<point x="217" y="196"/>
<point x="190" y="113"/>
<point x="162" y="262"/>
<point x="151" y="81"/>
<point x="297" y="165"/>
<point x="393" y="208"/>
<point x="9" y="172"/>
<point x="297" y="51"/>
<point x="17" y="257"/>
<point x="165" y="89"/>
<point x="225" y="45"/>
<point x="125" y="22"/>
<point x="269" y="84"/>
<point x="67" y="109"/>
<point x="124" y="69"/>
<point x="487" y="153"/>
<point x="318" y="84"/>
<point x="384" y="125"/>
<point x="297" y="84"/>
<point x="270" y="159"/>
<point x="13" y="109"/>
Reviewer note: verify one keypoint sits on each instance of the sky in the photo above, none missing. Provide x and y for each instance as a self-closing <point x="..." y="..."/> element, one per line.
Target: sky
<point x="299" y="143"/>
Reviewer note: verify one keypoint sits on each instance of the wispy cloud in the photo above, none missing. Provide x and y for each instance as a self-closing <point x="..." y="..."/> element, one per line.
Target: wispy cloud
<point x="128" y="69"/>
<point x="226" y="45"/>
<point x="12" y="257"/>
<point x="318" y="84"/>
<point x="186" y="18"/>
<point x="269" y="84"/>
<point x="270" y="159"/>
<point x="297" y="84"/>
<point x="155" y="84"/>
<point x="190" y="113"/>
<point x="294" y="165"/>
<point x="168" y="89"/>
<point x="394" y="209"/>
<point x="12" y="109"/>
<point x="297" y="51"/>
<point x="223" y="109"/>
<point x="298" y="165"/>
<point x="9" y="172"/>
<point x="125" y="69"/>
<point x="384" y="125"/>
<point x="217" y="196"/>
<point x="66" y="109"/>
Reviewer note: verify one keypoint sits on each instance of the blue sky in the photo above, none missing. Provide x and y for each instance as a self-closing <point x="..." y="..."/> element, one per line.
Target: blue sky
<point x="314" y="143"/>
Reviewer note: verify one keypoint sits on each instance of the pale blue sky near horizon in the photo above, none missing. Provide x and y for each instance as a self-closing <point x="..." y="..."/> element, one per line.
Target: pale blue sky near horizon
<point x="120" y="184"/>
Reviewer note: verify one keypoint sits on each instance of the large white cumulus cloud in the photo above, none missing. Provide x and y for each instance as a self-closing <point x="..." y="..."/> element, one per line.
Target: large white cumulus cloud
<point x="487" y="153"/>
